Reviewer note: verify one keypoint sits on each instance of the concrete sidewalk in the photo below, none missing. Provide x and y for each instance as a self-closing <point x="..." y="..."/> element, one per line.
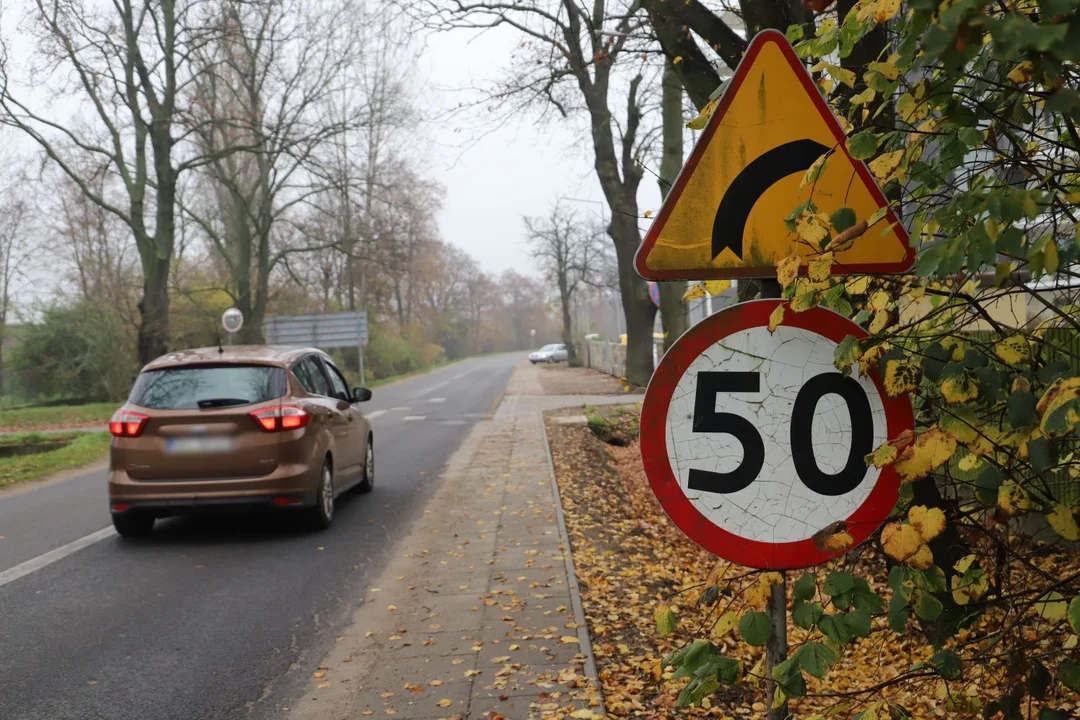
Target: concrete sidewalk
<point x="476" y="614"/>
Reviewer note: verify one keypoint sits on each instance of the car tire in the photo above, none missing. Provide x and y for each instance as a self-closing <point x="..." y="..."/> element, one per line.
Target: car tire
<point x="367" y="483"/>
<point x="133" y="524"/>
<point x="320" y="516"/>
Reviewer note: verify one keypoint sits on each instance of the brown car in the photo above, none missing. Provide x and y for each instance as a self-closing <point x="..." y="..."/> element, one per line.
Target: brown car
<point x="237" y="427"/>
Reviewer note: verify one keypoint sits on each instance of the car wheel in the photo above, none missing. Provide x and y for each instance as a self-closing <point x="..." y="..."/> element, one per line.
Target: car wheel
<point x="133" y="524"/>
<point x="368" y="483"/>
<point x="323" y="513"/>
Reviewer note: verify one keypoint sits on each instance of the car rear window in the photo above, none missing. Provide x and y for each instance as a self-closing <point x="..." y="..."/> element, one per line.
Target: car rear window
<point x="183" y="388"/>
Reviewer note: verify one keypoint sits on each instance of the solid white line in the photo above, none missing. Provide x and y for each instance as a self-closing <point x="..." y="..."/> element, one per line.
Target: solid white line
<point x="400" y="409"/>
<point x="373" y="415"/>
<point x="436" y="400"/>
<point x="33" y="564"/>
<point x="407" y="418"/>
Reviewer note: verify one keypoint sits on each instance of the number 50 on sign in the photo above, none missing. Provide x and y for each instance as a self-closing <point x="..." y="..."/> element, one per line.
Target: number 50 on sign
<point x="754" y="443"/>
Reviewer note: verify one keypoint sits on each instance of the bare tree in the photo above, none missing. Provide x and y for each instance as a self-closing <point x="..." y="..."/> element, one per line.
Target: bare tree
<point x="126" y="62"/>
<point x="262" y="100"/>
<point x="572" y="49"/>
<point x="570" y="255"/>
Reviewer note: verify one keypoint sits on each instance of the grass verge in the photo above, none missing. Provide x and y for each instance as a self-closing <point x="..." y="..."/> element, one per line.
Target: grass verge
<point x="60" y="417"/>
<point x="85" y="448"/>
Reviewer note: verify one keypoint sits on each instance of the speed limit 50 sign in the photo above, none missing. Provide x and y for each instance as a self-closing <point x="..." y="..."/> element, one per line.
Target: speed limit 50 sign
<point x="754" y="443"/>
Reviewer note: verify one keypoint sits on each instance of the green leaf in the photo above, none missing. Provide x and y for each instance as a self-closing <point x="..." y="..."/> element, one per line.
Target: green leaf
<point x="842" y="219"/>
<point x="1022" y="409"/>
<point x="1069" y="674"/>
<point x="806" y="614"/>
<point x="927" y="606"/>
<point x="898" y="613"/>
<point x="948" y="664"/>
<point x="697" y="691"/>
<point x="805" y="587"/>
<point x="1041" y="454"/>
<point x="934" y="359"/>
<point x="789" y="676"/>
<point x="710" y="596"/>
<point x="755" y="628"/>
<point x="691" y="658"/>
<point x="815" y="658"/>
<point x="835" y="629"/>
<point x="862" y="146"/>
<point x="1038" y="681"/>
<point x="1074" y="615"/>
<point x="931" y="580"/>
<point x="665" y="620"/>
<point x="728" y="669"/>
<point x="838" y="583"/>
<point x="858" y="622"/>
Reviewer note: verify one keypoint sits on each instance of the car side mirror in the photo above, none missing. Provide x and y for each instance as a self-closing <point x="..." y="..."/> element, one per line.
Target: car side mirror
<point x="361" y="394"/>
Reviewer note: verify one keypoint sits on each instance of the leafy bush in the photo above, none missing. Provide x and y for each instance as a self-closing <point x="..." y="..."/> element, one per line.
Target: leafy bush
<point x="82" y="351"/>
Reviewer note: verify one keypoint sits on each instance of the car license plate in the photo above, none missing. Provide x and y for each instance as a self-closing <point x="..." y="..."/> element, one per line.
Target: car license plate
<point x="198" y="446"/>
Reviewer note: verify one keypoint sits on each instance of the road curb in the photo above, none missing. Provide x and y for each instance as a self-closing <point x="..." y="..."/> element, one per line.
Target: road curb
<point x="575" y="594"/>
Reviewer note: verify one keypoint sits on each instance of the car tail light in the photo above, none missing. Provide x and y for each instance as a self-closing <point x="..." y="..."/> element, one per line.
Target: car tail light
<point x="286" y="417"/>
<point x="127" y="424"/>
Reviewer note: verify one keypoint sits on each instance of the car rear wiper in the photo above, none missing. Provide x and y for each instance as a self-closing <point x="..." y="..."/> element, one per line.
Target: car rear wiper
<point x="222" y="402"/>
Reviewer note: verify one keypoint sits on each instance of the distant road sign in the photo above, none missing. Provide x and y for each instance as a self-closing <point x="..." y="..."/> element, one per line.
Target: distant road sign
<point x="754" y="443"/>
<point x="654" y="293"/>
<point x="328" y="330"/>
<point x="724" y="216"/>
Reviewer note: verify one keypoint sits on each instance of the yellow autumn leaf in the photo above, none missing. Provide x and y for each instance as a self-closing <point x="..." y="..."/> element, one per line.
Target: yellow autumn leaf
<point x="969" y="463"/>
<point x="885" y="165"/>
<point x="573" y="640"/>
<point x="1013" y="350"/>
<point x="841" y="75"/>
<point x="1051" y="259"/>
<point x="902" y="376"/>
<point x="891" y="72"/>
<point x="885" y="454"/>
<point x="1052" y="607"/>
<point x="1057" y="397"/>
<point x="881" y="10"/>
<point x="676" y="60"/>
<point x="788" y="269"/>
<point x="814" y="171"/>
<point x="923" y="559"/>
<point x="820" y="268"/>
<point x="930" y="522"/>
<point x="857" y="285"/>
<point x="879" y="321"/>
<point x="879" y="300"/>
<point x="717" y="287"/>
<point x="900" y="541"/>
<point x="445" y="702"/>
<point x="648" y="213"/>
<point x="838" y="541"/>
<point x="1012" y="498"/>
<point x="703" y="117"/>
<point x="1023" y="72"/>
<point x="959" y="388"/>
<point x="930" y="449"/>
<point x="665" y="623"/>
<point x="866" y="96"/>
<point x="775" y="318"/>
<point x="726" y="622"/>
<point x="1063" y="520"/>
<point x="804" y="301"/>
<point x="811" y="230"/>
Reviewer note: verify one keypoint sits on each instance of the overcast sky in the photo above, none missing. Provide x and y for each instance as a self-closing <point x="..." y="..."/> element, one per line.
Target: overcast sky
<point x="516" y="170"/>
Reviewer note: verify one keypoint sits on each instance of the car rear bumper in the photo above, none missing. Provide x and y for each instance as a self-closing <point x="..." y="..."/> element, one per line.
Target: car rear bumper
<point x="287" y="487"/>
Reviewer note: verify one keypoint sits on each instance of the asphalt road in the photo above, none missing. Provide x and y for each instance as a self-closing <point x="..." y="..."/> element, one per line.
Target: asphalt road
<point x="219" y="617"/>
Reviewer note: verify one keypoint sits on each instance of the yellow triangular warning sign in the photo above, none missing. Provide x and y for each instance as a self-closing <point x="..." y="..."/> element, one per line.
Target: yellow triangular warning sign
<point x="724" y="216"/>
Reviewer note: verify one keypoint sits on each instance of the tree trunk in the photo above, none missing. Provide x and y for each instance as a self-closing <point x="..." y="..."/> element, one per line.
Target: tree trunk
<point x="153" y="338"/>
<point x="673" y="312"/>
<point x="567" y="328"/>
<point x="638" y="309"/>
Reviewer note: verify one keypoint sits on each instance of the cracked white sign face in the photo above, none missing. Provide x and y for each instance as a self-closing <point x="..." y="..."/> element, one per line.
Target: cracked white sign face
<point x="767" y="440"/>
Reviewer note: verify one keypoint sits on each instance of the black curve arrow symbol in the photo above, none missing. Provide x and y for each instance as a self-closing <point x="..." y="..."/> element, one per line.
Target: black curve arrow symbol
<point x="751" y="184"/>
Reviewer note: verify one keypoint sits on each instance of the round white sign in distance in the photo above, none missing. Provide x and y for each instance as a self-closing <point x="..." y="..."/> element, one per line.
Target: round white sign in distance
<point x="232" y="320"/>
<point x="778" y="507"/>
<point x="755" y="444"/>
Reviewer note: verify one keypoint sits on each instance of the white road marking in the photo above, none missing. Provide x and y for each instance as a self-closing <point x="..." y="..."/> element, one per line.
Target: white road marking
<point x="400" y="409"/>
<point x="33" y="564"/>
<point x="408" y="418"/>
<point x="436" y="400"/>
<point x="373" y="415"/>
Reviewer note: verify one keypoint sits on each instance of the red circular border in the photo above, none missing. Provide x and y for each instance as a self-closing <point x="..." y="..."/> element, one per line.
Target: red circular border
<point x="869" y="516"/>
